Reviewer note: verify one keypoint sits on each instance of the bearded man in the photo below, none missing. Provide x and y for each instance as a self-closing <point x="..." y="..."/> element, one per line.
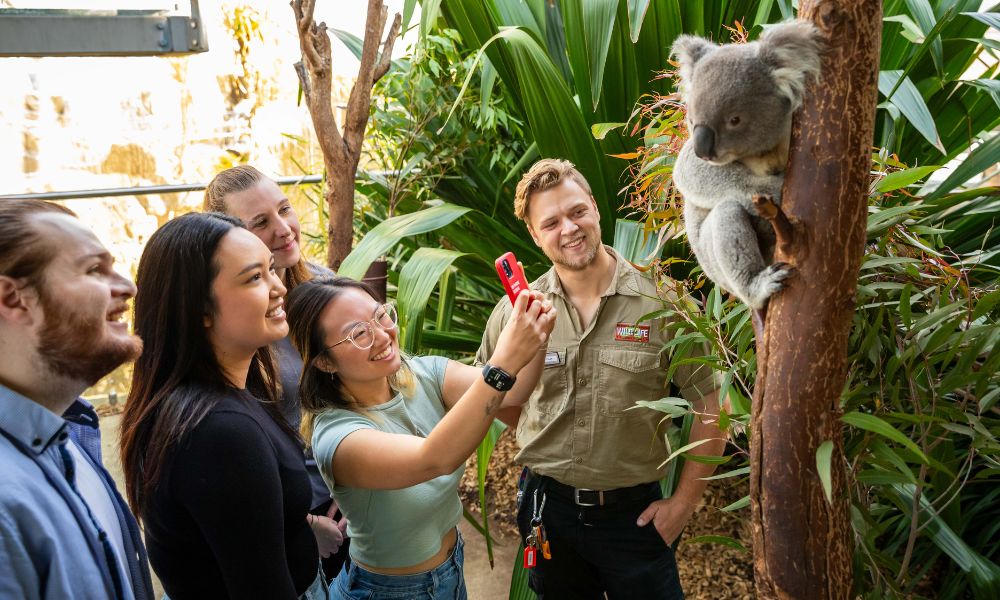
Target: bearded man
<point x="592" y="511"/>
<point x="66" y="531"/>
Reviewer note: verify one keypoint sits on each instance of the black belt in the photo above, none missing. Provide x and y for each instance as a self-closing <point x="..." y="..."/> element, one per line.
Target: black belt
<point x="588" y="497"/>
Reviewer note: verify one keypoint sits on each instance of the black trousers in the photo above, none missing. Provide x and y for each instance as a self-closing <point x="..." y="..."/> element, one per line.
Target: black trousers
<point x="600" y="549"/>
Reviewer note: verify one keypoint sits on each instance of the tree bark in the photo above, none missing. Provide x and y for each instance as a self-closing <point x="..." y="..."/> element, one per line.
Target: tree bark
<point x="802" y="543"/>
<point x="341" y="153"/>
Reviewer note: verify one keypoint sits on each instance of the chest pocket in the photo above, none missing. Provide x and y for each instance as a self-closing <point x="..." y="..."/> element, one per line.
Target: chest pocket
<point x="625" y="377"/>
<point x="551" y="395"/>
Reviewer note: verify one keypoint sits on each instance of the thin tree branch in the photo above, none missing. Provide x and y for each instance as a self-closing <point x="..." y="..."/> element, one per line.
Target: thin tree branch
<point x="785" y="237"/>
<point x="374" y="24"/>
<point x="316" y="75"/>
<point x="914" y="522"/>
<point x="309" y="9"/>
<point x="304" y="10"/>
<point x="385" y="60"/>
<point x="758" y="316"/>
<point x="360" y="100"/>
<point x="783" y="231"/>
<point x="341" y="151"/>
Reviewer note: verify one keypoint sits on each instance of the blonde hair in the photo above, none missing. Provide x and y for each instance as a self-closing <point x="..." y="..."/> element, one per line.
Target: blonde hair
<point x="239" y="179"/>
<point x="543" y="175"/>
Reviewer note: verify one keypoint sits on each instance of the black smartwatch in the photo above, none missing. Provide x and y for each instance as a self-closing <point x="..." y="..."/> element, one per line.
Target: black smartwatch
<point x="497" y="378"/>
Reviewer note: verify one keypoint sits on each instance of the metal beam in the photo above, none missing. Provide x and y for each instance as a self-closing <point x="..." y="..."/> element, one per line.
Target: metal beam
<point x="146" y="190"/>
<point x="50" y="32"/>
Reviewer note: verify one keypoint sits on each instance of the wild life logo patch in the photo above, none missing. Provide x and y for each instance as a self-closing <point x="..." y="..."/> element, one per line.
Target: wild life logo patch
<point x="632" y="332"/>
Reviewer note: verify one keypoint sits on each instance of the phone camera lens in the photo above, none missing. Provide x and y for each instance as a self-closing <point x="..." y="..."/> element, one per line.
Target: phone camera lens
<point x="506" y="269"/>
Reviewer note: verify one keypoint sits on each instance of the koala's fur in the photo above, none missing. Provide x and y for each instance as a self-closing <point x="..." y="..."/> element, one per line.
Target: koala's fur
<point x="740" y="99"/>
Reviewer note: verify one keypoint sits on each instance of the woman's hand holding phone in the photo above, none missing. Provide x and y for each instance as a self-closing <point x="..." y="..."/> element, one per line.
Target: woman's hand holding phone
<point x="526" y="333"/>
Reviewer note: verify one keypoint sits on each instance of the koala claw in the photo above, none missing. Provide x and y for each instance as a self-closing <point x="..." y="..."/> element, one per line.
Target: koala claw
<point x="768" y="282"/>
<point x="781" y="270"/>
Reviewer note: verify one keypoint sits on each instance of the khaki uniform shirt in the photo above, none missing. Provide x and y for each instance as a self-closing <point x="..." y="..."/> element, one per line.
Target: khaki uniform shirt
<point x="576" y="427"/>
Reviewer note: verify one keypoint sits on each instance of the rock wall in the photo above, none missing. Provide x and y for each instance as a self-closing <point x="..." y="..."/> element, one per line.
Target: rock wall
<point x="88" y="123"/>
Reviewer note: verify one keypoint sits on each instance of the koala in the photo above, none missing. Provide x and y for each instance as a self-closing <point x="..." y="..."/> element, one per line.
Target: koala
<point x="740" y="99"/>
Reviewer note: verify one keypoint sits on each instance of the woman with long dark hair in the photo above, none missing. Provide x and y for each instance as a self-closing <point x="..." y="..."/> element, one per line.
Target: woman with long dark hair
<point x="211" y="467"/>
<point x="249" y="195"/>
<point x="391" y="434"/>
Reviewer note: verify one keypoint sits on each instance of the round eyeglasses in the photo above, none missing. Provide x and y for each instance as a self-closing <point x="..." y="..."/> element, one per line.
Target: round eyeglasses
<point x="363" y="334"/>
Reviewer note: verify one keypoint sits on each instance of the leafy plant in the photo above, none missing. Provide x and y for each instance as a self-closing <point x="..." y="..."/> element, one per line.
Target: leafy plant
<point x="920" y="403"/>
<point x="567" y="77"/>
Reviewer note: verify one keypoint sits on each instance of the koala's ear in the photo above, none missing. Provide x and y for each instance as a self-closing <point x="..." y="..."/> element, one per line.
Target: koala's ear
<point x="688" y="50"/>
<point x="792" y="51"/>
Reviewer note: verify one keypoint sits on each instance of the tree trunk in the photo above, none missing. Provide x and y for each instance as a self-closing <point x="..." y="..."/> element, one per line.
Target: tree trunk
<point x="341" y="152"/>
<point x="340" y="207"/>
<point x="802" y="542"/>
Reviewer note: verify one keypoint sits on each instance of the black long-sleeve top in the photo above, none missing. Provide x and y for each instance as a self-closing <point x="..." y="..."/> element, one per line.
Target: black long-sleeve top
<point x="228" y="517"/>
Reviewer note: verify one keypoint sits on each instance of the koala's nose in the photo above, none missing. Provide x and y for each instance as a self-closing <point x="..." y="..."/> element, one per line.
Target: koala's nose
<point x="704" y="142"/>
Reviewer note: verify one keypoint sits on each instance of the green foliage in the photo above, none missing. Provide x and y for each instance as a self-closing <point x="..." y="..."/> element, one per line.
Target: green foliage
<point x="928" y="48"/>
<point x="483" y="454"/>
<point x="445" y="184"/>
<point x="923" y="352"/>
<point x="920" y="403"/>
<point x="495" y="84"/>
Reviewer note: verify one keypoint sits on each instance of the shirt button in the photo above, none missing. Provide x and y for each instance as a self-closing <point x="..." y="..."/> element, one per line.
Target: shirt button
<point x="36" y="442"/>
<point x="63" y="436"/>
<point x="581" y="422"/>
<point x="578" y="460"/>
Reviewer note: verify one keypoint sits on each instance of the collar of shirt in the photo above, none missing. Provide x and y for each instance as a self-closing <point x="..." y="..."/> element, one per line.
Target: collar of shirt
<point x="29" y="422"/>
<point x="82" y="413"/>
<point x="625" y="282"/>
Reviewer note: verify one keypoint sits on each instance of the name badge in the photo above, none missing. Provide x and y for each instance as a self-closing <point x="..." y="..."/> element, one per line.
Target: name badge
<point x="628" y="332"/>
<point x="553" y="358"/>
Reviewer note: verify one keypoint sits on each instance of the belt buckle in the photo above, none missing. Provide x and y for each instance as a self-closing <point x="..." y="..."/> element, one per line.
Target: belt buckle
<point x="576" y="497"/>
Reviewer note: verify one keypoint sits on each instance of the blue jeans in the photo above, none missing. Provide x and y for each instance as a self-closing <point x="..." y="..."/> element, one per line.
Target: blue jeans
<point x="443" y="582"/>
<point x="316" y="591"/>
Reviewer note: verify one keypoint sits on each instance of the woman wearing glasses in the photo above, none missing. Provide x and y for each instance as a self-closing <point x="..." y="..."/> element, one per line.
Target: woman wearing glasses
<point x="247" y="194"/>
<point x="391" y="434"/>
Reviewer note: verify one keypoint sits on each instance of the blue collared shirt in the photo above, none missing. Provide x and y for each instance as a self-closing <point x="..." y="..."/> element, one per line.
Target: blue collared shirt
<point x="50" y="546"/>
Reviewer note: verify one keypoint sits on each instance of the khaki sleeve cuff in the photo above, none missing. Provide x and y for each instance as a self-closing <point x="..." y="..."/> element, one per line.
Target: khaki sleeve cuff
<point x="495" y="324"/>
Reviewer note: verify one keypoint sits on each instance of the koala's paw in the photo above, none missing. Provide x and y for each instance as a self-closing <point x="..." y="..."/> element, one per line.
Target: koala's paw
<point x="770" y="280"/>
<point x="765" y="205"/>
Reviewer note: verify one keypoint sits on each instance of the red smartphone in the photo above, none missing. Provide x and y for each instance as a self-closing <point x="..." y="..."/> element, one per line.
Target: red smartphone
<point x="511" y="275"/>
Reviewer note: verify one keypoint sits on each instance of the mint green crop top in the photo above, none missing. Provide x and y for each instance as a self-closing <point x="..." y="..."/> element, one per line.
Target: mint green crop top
<point x="394" y="528"/>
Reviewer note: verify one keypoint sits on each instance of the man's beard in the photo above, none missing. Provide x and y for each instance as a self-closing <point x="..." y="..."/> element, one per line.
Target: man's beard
<point x="592" y="246"/>
<point x="76" y="346"/>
